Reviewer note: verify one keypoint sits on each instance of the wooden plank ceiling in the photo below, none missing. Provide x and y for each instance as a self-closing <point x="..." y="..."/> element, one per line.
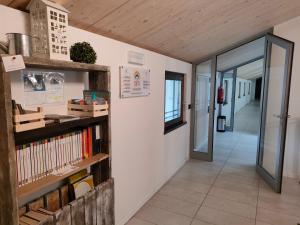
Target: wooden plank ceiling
<point x="185" y="29"/>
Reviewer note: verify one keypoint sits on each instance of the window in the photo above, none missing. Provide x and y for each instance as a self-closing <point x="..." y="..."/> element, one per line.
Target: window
<point x="174" y="86"/>
<point x="244" y="89"/>
<point x="240" y="87"/>
<point x="226" y="92"/>
<point x="249" y="90"/>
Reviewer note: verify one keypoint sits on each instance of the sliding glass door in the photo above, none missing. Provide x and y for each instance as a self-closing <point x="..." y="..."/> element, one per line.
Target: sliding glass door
<point x="203" y="110"/>
<point x="278" y="66"/>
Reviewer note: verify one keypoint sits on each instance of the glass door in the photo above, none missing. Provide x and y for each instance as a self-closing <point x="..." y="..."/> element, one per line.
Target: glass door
<point x="275" y="102"/>
<point x="203" y="110"/>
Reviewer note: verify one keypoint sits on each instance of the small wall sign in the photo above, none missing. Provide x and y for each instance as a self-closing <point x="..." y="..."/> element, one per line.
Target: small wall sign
<point x="13" y="63"/>
<point x="136" y="58"/>
<point x="134" y="82"/>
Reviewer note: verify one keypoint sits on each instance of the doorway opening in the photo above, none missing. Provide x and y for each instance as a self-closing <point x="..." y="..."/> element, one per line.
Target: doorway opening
<point x="238" y="94"/>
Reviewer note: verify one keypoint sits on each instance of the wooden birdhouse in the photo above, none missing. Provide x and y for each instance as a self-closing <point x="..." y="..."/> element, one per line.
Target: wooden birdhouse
<point x="49" y="26"/>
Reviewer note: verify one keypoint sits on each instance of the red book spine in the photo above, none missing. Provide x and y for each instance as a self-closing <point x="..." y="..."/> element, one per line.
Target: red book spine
<point x="83" y="144"/>
<point x="86" y="149"/>
<point x="90" y="142"/>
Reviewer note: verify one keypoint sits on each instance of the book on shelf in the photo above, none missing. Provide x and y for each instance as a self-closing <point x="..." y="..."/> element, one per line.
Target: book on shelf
<point x="36" y="204"/>
<point x="28" y="221"/>
<point x="52" y="201"/>
<point x="60" y="118"/>
<point x="83" y="186"/>
<point x="64" y="195"/>
<point x="35" y="218"/>
<point x="57" y="155"/>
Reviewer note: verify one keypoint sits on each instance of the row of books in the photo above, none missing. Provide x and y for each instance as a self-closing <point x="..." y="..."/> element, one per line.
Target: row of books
<point x="56" y="155"/>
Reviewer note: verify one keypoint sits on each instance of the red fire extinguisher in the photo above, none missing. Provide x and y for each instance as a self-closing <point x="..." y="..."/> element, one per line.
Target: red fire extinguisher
<point x="220" y="98"/>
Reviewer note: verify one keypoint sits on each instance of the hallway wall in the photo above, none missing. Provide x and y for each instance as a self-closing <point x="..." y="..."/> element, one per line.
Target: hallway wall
<point x="143" y="158"/>
<point x="291" y="30"/>
<point x="244" y="99"/>
<point x="239" y="102"/>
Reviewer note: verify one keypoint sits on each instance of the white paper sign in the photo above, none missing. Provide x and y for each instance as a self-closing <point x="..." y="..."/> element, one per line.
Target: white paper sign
<point x="13" y="63"/>
<point x="135" y="82"/>
<point x="136" y="58"/>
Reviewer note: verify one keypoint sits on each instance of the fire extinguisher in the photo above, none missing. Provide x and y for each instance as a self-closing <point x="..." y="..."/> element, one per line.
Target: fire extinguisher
<point x="220" y="98"/>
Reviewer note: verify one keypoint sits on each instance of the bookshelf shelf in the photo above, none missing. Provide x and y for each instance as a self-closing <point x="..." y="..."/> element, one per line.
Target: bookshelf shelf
<point x="56" y="129"/>
<point x="31" y="188"/>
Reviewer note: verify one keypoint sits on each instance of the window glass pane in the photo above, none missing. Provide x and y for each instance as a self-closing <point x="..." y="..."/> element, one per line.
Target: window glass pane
<point x="172" y="100"/>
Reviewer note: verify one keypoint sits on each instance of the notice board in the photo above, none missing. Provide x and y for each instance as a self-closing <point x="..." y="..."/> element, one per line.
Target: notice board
<point x="134" y="82"/>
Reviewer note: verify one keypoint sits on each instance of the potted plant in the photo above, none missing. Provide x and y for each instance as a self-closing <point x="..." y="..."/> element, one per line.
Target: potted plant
<point x="83" y="52"/>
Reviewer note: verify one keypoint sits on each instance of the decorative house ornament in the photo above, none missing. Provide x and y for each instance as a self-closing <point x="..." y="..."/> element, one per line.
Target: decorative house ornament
<point x="49" y="24"/>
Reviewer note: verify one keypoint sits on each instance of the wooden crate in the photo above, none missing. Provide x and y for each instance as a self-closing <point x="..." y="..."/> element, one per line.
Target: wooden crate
<point x="29" y="121"/>
<point x="87" y="110"/>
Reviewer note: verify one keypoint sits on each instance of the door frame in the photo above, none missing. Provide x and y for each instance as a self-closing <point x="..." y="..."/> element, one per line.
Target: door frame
<point x="203" y="155"/>
<point x="209" y="156"/>
<point x="276" y="184"/>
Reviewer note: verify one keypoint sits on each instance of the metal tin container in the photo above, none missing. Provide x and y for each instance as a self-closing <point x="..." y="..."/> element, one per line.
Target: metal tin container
<point x="19" y="44"/>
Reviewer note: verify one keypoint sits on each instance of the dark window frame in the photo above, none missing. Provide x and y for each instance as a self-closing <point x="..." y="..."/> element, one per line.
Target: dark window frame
<point x="244" y="89"/>
<point x="225" y="92"/>
<point x="240" y="87"/>
<point x="249" y="91"/>
<point x="177" y="122"/>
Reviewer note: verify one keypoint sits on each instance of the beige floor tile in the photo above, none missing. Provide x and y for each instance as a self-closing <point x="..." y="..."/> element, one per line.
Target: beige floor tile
<point x="242" y="197"/>
<point x="181" y="194"/>
<point x="229" y="206"/>
<point x="291" y="186"/>
<point x="218" y="217"/>
<point x="174" y="205"/>
<point x="275" y="218"/>
<point x="240" y="170"/>
<point x="240" y="179"/>
<point x="190" y="186"/>
<point x="261" y="223"/>
<point x="136" y="221"/>
<point x="279" y="206"/>
<point x="204" y="170"/>
<point x="196" y="177"/>
<point x="236" y="185"/>
<point x="268" y="193"/>
<point x="199" y="222"/>
<point x="162" y="217"/>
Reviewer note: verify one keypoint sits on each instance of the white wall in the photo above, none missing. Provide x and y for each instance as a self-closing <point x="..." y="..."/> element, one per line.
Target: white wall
<point x="239" y="102"/>
<point x="143" y="158"/>
<point x="291" y="30"/>
<point x="243" y="100"/>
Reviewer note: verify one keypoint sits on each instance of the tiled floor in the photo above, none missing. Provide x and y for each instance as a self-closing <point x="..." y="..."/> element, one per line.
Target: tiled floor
<point x="225" y="192"/>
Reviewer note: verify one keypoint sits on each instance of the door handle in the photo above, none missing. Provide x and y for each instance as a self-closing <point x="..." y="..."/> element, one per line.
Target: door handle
<point x="281" y="117"/>
<point x="277" y="116"/>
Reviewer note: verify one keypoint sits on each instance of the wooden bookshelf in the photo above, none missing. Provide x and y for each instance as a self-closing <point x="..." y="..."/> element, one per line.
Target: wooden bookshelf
<point x="24" y="191"/>
<point x="11" y="196"/>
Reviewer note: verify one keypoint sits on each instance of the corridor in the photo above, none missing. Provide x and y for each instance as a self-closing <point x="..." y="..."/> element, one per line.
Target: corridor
<point x="224" y="192"/>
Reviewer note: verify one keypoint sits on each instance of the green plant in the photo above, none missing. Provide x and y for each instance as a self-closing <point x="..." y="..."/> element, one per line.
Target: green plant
<point x="83" y="52"/>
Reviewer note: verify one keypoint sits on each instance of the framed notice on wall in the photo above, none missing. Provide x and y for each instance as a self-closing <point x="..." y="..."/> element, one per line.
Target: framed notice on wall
<point x="134" y="82"/>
